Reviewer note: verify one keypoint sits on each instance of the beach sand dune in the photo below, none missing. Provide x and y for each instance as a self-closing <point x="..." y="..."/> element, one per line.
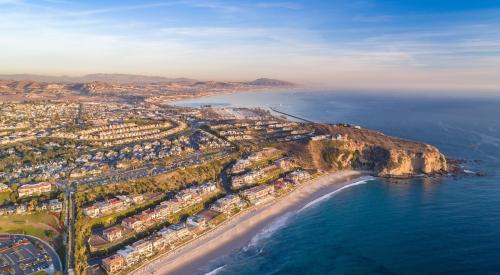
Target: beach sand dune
<point x="239" y="230"/>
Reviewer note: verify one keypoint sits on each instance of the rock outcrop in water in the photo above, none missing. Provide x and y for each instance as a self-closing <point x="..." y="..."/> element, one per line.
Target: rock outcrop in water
<point x="370" y="150"/>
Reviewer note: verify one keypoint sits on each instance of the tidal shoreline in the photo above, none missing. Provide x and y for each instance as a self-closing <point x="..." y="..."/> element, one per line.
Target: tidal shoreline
<point x="240" y="229"/>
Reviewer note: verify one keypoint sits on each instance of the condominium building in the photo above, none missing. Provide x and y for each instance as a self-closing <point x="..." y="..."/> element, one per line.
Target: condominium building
<point x="113" y="263"/>
<point x="29" y="190"/>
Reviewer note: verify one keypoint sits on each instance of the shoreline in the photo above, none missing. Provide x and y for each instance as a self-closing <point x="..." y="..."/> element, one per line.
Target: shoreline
<point x="232" y="92"/>
<point x="239" y="230"/>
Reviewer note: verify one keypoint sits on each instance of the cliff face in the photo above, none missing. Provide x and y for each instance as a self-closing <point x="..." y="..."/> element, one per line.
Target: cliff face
<point x="402" y="163"/>
<point x="370" y="150"/>
<point x="395" y="162"/>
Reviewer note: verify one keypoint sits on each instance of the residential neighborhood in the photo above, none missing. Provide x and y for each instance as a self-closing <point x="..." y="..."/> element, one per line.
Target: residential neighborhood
<point x="249" y="137"/>
<point x="130" y="183"/>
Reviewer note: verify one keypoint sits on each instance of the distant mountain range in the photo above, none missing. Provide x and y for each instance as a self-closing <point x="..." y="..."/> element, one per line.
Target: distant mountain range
<point x="127" y="79"/>
<point x="109" y="78"/>
<point x="270" y="82"/>
<point x="122" y="87"/>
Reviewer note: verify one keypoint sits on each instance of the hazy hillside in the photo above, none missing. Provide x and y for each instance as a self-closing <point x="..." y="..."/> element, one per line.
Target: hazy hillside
<point x="120" y="87"/>
<point x="270" y="82"/>
<point x="110" y="78"/>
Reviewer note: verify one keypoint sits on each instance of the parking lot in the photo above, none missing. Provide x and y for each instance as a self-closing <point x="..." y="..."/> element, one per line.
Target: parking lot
<point x="23" y="255"/>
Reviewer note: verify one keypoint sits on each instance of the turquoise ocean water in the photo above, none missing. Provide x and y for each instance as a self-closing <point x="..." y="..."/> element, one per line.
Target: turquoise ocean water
<point x="420" y="226"/>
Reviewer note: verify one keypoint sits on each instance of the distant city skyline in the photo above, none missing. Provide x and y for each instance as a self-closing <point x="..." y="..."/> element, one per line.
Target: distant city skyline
<point x="368" y="43"/>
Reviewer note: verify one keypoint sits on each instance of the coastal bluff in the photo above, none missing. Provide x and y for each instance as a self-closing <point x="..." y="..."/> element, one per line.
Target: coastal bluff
<point x="364" y="149"/>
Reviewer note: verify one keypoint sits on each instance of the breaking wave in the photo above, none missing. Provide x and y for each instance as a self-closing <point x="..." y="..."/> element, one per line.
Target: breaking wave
<point x="216" y="271"/>
<point x="269" y="230"/>
<point x="361" y="180"/>
<point x="281" y="221"/>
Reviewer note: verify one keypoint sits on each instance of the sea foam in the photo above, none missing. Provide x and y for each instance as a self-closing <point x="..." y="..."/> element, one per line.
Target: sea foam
<point x="216" y="271"/>
<point x="269" y="230"/>
<point x="361" y="180"/>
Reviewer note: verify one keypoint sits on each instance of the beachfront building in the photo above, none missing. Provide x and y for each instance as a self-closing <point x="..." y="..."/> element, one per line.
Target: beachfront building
<point x="36" y="189"/>
<point x="143" y="247"/>
<point x="298" y="176"/>
<point x="246" y="179"/>
<point x="227" y="204"/>
<point x="113" y="263"/>
<point x="130" y="255"/>
<point x="281" y="184"/>
<point x="159" y="242"/>
<point x="197" y="221"/>
<point x="168" y="234"/>
<point x="259" y="194"/>
<point x="180" y="229"/>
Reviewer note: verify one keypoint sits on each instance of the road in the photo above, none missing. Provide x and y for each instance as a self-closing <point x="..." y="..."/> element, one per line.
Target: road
<point x="70" y="229"/>
<point x="120" y="176"/>
<point x="114" y="176"/>
<point x="145" y="171"/>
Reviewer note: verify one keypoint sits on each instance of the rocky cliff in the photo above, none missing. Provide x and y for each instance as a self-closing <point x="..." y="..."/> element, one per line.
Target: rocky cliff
<point x="370" y="150"/>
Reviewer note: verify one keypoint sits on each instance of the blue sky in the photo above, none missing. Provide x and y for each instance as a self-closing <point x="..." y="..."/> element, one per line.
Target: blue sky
<point x="351" y="43"/>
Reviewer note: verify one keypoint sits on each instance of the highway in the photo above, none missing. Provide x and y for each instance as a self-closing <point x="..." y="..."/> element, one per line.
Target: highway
<point x="70" y="230"/>
<point x="146" y="171"/>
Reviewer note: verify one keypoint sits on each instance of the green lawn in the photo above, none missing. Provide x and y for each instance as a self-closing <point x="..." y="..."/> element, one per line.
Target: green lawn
<point x="37" y="224"/>
<point x="38" y="217"/>
<point x="4" y="197"/>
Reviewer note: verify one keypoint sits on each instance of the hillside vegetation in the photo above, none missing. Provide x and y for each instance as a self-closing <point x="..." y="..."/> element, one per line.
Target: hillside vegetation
<point x="368" y="150"/>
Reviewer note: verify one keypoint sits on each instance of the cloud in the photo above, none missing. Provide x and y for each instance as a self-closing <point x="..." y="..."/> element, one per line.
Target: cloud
<point x="279" y="5"/>
<point x="10" y="2"/>
<point x="68" y="40"/>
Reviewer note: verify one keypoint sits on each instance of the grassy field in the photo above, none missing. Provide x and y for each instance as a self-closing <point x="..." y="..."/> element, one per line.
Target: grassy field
<point x="4" y="197"/>
<point x="42" y="225"/>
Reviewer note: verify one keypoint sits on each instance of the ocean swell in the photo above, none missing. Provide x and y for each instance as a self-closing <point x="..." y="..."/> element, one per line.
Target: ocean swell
<point x="281" y="221"/>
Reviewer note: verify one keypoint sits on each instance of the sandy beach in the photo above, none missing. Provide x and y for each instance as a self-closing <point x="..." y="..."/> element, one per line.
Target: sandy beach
<point x="239" y="230"/>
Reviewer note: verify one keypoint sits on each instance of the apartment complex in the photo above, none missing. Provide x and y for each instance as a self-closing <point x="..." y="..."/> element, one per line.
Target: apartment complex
<point x="29" y="190"/>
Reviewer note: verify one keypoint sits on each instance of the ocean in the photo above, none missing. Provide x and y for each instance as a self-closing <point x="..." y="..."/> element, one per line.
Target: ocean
<point x="448" y="225"/>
